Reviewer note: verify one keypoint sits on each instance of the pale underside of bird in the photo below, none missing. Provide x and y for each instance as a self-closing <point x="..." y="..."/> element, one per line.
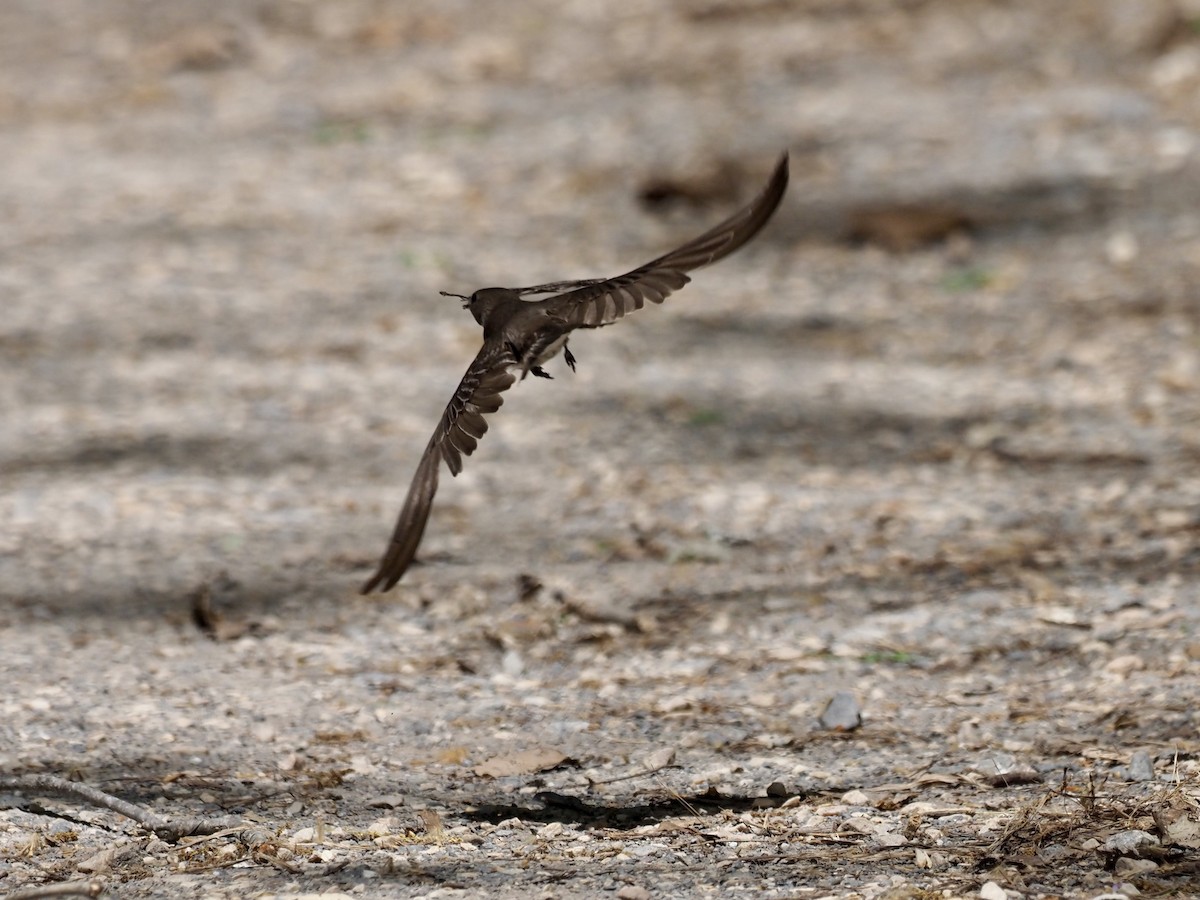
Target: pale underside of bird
<point x="520" y="336"/>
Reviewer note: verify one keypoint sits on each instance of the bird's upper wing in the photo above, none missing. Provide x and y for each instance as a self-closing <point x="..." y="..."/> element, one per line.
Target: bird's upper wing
<point x="602" y="302"/>
<point x="458" y="433"/>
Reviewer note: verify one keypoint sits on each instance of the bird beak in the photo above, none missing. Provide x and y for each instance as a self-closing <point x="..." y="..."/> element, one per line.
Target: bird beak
<point x="465" y="300"/>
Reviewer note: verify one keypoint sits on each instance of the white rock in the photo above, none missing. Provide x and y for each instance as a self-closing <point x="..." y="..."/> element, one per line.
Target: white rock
<point x="1129" y="843"/>
<point x="856" y="798"/>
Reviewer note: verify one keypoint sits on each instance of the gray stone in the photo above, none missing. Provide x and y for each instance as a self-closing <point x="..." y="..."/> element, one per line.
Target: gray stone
<point x="841" y="713"/>
<point x="1141" y="766"/>
<point x="1130" y="843"/>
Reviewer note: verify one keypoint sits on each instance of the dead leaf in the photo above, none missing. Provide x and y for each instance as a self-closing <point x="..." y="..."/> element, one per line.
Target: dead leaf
<point x="535" y="759"/>
<point x="904" y="227"/>
<point x="453" y="756"/>
<point x="1178" y="828"/>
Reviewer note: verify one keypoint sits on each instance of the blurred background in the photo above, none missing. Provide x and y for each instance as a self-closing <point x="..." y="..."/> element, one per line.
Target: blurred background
<point x="930" y="440"/>
<point x="226" y="225"/>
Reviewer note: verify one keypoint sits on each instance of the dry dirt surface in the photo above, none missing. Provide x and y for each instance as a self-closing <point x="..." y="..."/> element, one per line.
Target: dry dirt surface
<point x="867" y="566"/>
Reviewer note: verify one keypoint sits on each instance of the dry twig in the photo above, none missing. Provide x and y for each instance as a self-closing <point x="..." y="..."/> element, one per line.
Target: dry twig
<point x="169" y="829"/>
<point x="91" y="888"/>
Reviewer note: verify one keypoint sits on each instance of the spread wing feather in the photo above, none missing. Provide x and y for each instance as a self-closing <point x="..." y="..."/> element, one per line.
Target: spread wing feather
<point x="457" y="435"/>
<point x="597" y="303"/>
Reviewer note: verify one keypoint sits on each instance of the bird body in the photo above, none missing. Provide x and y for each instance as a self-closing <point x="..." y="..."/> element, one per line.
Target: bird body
<point x="534" y="330"/>
<point x="522" y="335"/>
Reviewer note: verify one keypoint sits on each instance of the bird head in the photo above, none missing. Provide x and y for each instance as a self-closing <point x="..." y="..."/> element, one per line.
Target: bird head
<point x="483" y="301"/>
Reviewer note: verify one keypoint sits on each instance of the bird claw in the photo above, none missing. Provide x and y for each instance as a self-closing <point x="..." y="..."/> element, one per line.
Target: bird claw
<point x="540" y="372"/>
<point x="569" y="357"/>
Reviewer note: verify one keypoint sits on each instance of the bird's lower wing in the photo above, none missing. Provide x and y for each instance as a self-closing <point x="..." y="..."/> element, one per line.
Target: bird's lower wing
<point x="410" y="526"/>
<point x="603" y="302"/>
<point x="457" y="434"/>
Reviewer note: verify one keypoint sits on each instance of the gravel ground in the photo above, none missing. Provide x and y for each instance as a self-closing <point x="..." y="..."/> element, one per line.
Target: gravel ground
<point x="865" y="567"/>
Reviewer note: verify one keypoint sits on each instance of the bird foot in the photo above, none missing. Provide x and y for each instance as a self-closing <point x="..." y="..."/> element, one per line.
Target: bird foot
<point x="569" y="357"/>
<point x="540" y="372"/>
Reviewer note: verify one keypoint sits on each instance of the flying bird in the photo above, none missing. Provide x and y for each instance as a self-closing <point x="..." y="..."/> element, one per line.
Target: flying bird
<point x="521" y="336"/>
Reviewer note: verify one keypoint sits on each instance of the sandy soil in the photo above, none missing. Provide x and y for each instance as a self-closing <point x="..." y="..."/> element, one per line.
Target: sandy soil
<point x="932" y="440"/>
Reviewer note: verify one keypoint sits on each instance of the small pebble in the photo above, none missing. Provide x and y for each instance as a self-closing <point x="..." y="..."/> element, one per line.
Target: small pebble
<point x="1003" y="770"/>
<point x="1121" y="248"/>
<point x="1125" y="665"/>
<point x="380" y="827"/>
<point x="512" y="663"/>
<point x="98" y="862"/>
<point x="1141" y="767"/>
<point x="856" y="798"/>
<point x="997" y="764"/>
<point x="842" y="713"/>
<point x="992" y="891"/>
<point x="1127" y="867"/>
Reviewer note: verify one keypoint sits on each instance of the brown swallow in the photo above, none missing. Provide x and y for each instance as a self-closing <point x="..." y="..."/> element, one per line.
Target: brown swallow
<point x="523" y="335"/>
